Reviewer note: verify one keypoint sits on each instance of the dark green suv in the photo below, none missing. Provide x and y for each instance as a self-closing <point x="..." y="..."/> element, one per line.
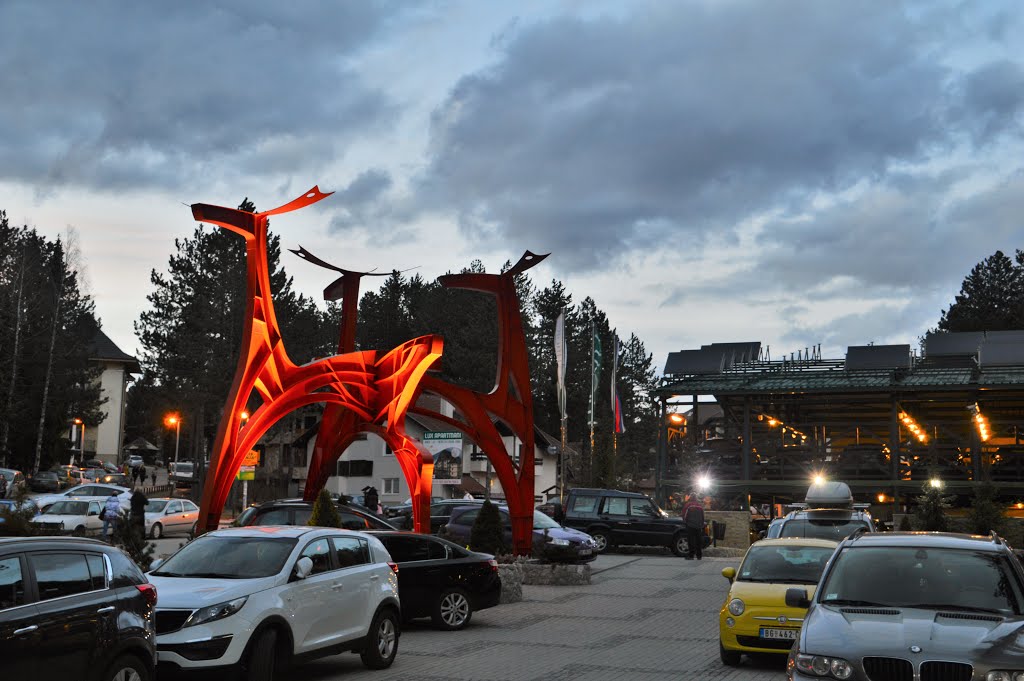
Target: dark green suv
<point x="614" y="518"/>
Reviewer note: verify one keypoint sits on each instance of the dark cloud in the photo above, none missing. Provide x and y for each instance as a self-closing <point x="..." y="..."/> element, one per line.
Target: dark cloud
<point x="112" y="94"/>
<point x="356" y="204"/>
<point x="594" y="138"/>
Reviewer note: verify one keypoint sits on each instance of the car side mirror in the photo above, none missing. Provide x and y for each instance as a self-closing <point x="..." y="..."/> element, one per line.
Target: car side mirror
<point x="155" y="564"/>
<point x="303" y="568"/>
<point x="797" y="598"/>
<point x="729" y="573"/>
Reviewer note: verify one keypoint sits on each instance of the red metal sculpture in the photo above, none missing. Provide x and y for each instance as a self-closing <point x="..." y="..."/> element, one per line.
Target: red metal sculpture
<point x="376" y="390"/>
<point x="510" y="401"/>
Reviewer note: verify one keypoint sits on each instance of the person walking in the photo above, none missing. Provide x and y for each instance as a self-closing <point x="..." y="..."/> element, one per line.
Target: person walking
<point x="693" y="519"/>
<point x="153" y="476"/>
<point x="111" y="514"/>
<point x="3" y="487"/>
<point x="138" y="514"/>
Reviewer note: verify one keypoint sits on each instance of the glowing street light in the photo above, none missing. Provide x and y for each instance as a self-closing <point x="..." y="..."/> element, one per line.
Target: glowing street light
<point x="936" y="483"/>
<point x="819" y="479"/>
<point x="703" y="483"/>
<point x="174" y="420"/>
<point x="81" y="440"/>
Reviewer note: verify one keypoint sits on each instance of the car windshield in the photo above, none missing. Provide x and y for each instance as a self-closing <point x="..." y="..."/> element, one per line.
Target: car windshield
<point x="183" y="467"/>
<point x="69" y="508"/>
<point x="933" y="578"/>
<point x="796" y="564"/>
<point x="156" y="506"/>
<point x="229" y="558"/>
<point x="543" y="522"/>
<point x="835" y="529"/>
<point x="46" y="475"/>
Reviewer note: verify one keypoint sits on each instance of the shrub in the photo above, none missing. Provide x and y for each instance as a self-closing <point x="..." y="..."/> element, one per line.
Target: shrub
<point x="325" y="513"/>
<point x="129" y="536"/>
<point x="487" y="535"/>
<point x="985" y="514"/>
<point x="905" y="524"/>
<point x="930" y="514"/>
<point x="17" y="522"/>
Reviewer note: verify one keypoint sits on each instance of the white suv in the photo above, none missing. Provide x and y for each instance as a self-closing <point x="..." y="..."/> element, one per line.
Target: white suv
<point x="255" y="597"/>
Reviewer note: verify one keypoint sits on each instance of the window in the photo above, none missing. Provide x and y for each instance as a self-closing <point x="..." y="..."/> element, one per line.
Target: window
<point x="319" y="552"/>
<point x="97" y="571"/>
<point x="12" y="584"/>
<point x="467" y="518"/>
<point x="615" y="505"/>
<point x="405" y="549"/>
<point x="351" y="551"/>
<point x="643" y="508"/>
<point x="94" y="508"/>
<point x="388" y="451"/>
<point x="174" y="507"/>
<point x="390" y="485"/>
<point x="275" y="516"/>
<point x="61" y="574"/>
<point x="584" y="505"/>
<point x="351" y="521"/>
<point x="360" y="468"/>
<point x="302" y="516"/>
<point x="190" y="507"/>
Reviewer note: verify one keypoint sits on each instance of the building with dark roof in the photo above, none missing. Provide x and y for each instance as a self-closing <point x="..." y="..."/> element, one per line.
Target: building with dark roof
<point x="884" y="418"/>
<point x="104" y="441"/>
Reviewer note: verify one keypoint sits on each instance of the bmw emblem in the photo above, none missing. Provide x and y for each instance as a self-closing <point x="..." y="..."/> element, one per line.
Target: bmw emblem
<point x="782" y="619"/>
<point x="915" y="649"/>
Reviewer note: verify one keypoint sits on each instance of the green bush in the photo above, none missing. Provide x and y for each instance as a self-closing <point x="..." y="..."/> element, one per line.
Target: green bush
<point x="986" y="514"/>
<point x="129" y="535"/>
<point x="18" y="522"/>
<point x="930" y="514"/>
<point x="905" y="524"/>
<point x="487" y="535"/>
<point x="325" y="513"/>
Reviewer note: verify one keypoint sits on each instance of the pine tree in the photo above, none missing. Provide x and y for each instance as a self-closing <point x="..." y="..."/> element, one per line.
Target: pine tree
<point x="487" y="535"/>
<point x="325" y="513"/>
<point x="126" y="535"/>
<point x="991" y="297"/>
<point x="930" y="515"/>
<point x="985" y="515"/>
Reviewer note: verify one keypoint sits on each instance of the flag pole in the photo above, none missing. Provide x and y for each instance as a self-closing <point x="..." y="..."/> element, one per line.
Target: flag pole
<point x="592" y="409"/>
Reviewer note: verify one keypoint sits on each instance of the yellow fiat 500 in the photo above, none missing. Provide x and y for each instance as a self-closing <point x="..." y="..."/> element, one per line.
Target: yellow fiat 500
<point x="755" y="617"/>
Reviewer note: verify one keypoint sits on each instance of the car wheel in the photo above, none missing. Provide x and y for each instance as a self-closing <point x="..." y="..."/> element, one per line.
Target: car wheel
<point x="680" y="546"/>
<point x="452" y="610"/>
<point x="192" y="531"/>
<point x="266" y="658"/>
<point x="382" y="643"/>
<point x="602" y="542"/>
<point x="157" y="531"/>
<point x="79" y="531"/>
<point x="730" y="658"/>
<point x="126" y="668"/>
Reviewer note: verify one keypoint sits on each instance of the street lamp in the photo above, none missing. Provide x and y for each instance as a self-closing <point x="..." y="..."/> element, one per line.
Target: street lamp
<point x="936" y="483"/>
<point x="174" y="420"/>
<point x="703" y="483"/>
<point x="81" y="441"/>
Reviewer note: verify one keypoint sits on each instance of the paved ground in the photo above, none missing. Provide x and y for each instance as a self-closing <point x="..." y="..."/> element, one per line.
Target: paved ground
<point x="644" y="618"/>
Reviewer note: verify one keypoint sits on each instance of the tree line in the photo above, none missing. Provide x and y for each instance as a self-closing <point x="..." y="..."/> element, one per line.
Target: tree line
<point x="47" y="329"/>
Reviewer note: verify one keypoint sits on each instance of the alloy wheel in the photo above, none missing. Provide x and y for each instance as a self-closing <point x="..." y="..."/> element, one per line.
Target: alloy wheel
<point x="386" y="637"/>
<point x="127" y="674"/>
<point x="454" y="609"/>
<point x="600" y="542"/>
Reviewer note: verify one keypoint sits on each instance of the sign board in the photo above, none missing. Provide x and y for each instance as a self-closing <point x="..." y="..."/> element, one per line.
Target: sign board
<point x="252" y="458"/>
<point x="246" y="473"/>
<point x="446" y="446"/>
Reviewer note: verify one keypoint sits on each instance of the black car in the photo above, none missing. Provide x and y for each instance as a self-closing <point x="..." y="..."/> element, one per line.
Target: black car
<point x="615" y="518"/>
<point x="440" y="513"/>
<point x="74" y="609"/>
<point x="298" y="512"/>
<point x="441" y="580"/>
<point x="551" y="541"/>
<point x="44" y="481"/>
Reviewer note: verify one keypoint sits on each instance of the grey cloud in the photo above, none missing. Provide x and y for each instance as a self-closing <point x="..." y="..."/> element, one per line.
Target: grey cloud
<point x="591" y="138"/>
<point x="881" y="324"/>
<point x="357" y="204"/>
<point x="111" y="95"/>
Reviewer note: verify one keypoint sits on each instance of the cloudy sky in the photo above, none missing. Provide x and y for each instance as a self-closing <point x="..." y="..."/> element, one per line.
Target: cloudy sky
<point x="726" y="170"/>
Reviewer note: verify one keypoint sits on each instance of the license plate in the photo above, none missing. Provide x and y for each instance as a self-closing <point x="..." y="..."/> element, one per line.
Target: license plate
<point x="783" y="634"/>
<point x="585" y="552"/>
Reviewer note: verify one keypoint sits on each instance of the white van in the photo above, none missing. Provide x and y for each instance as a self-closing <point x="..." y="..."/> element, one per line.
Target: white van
<point x="183" y="471"/>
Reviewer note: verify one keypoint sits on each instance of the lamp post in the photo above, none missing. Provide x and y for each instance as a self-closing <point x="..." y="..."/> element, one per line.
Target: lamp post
<point x="174" y="420"/>
<point x="81" y="441"/>
<point x="244" y="416"/>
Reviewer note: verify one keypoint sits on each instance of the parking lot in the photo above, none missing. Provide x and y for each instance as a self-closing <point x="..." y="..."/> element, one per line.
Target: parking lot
<point x="644" y="618"/>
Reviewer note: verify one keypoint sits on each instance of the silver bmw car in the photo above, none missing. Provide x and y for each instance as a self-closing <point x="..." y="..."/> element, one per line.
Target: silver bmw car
<point x="911" y="606"/>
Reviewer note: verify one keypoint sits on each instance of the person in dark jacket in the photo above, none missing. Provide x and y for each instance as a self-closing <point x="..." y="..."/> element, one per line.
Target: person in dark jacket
<point x="138" y="513"/>
<point x="693" y="517"/>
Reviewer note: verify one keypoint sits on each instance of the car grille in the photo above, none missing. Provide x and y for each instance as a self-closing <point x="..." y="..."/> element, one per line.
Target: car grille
<point x="767" y="643"/>
<point x="869" y="611"/>
<point x="170" y="620"/>
<point x="946" y="671"/>
<point x="888" y="669"/>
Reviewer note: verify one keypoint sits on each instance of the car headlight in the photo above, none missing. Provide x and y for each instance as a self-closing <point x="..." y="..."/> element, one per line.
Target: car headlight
<point x="1003" y="675"/>
<point x="736" y="606"/>
<point x="820" y="665"/>
<point x="215" y="612"/>
<point x="560" y="542"/>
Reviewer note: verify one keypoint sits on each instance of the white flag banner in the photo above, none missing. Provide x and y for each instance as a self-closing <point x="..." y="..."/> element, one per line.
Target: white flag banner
<point x="561" y="357"/>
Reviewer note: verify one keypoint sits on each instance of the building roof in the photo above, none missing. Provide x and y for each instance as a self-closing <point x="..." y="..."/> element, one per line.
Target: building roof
<point x="104" y="349"/>
<point x="141" y="444"/>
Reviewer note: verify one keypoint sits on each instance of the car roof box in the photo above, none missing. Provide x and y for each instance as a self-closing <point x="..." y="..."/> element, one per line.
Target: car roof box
<point x="830" y="495"/>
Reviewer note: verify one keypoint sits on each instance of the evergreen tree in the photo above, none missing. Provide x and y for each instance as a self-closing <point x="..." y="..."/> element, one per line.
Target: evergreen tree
<point x="986" y="514"/>
<point x="905" y="524"/>
<point x="126" y="537"/>
<point x="991" y="297"/>
<point x="487" y="535"/>
<point x="325" y="513"/>
<point x="930" y="514"/>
